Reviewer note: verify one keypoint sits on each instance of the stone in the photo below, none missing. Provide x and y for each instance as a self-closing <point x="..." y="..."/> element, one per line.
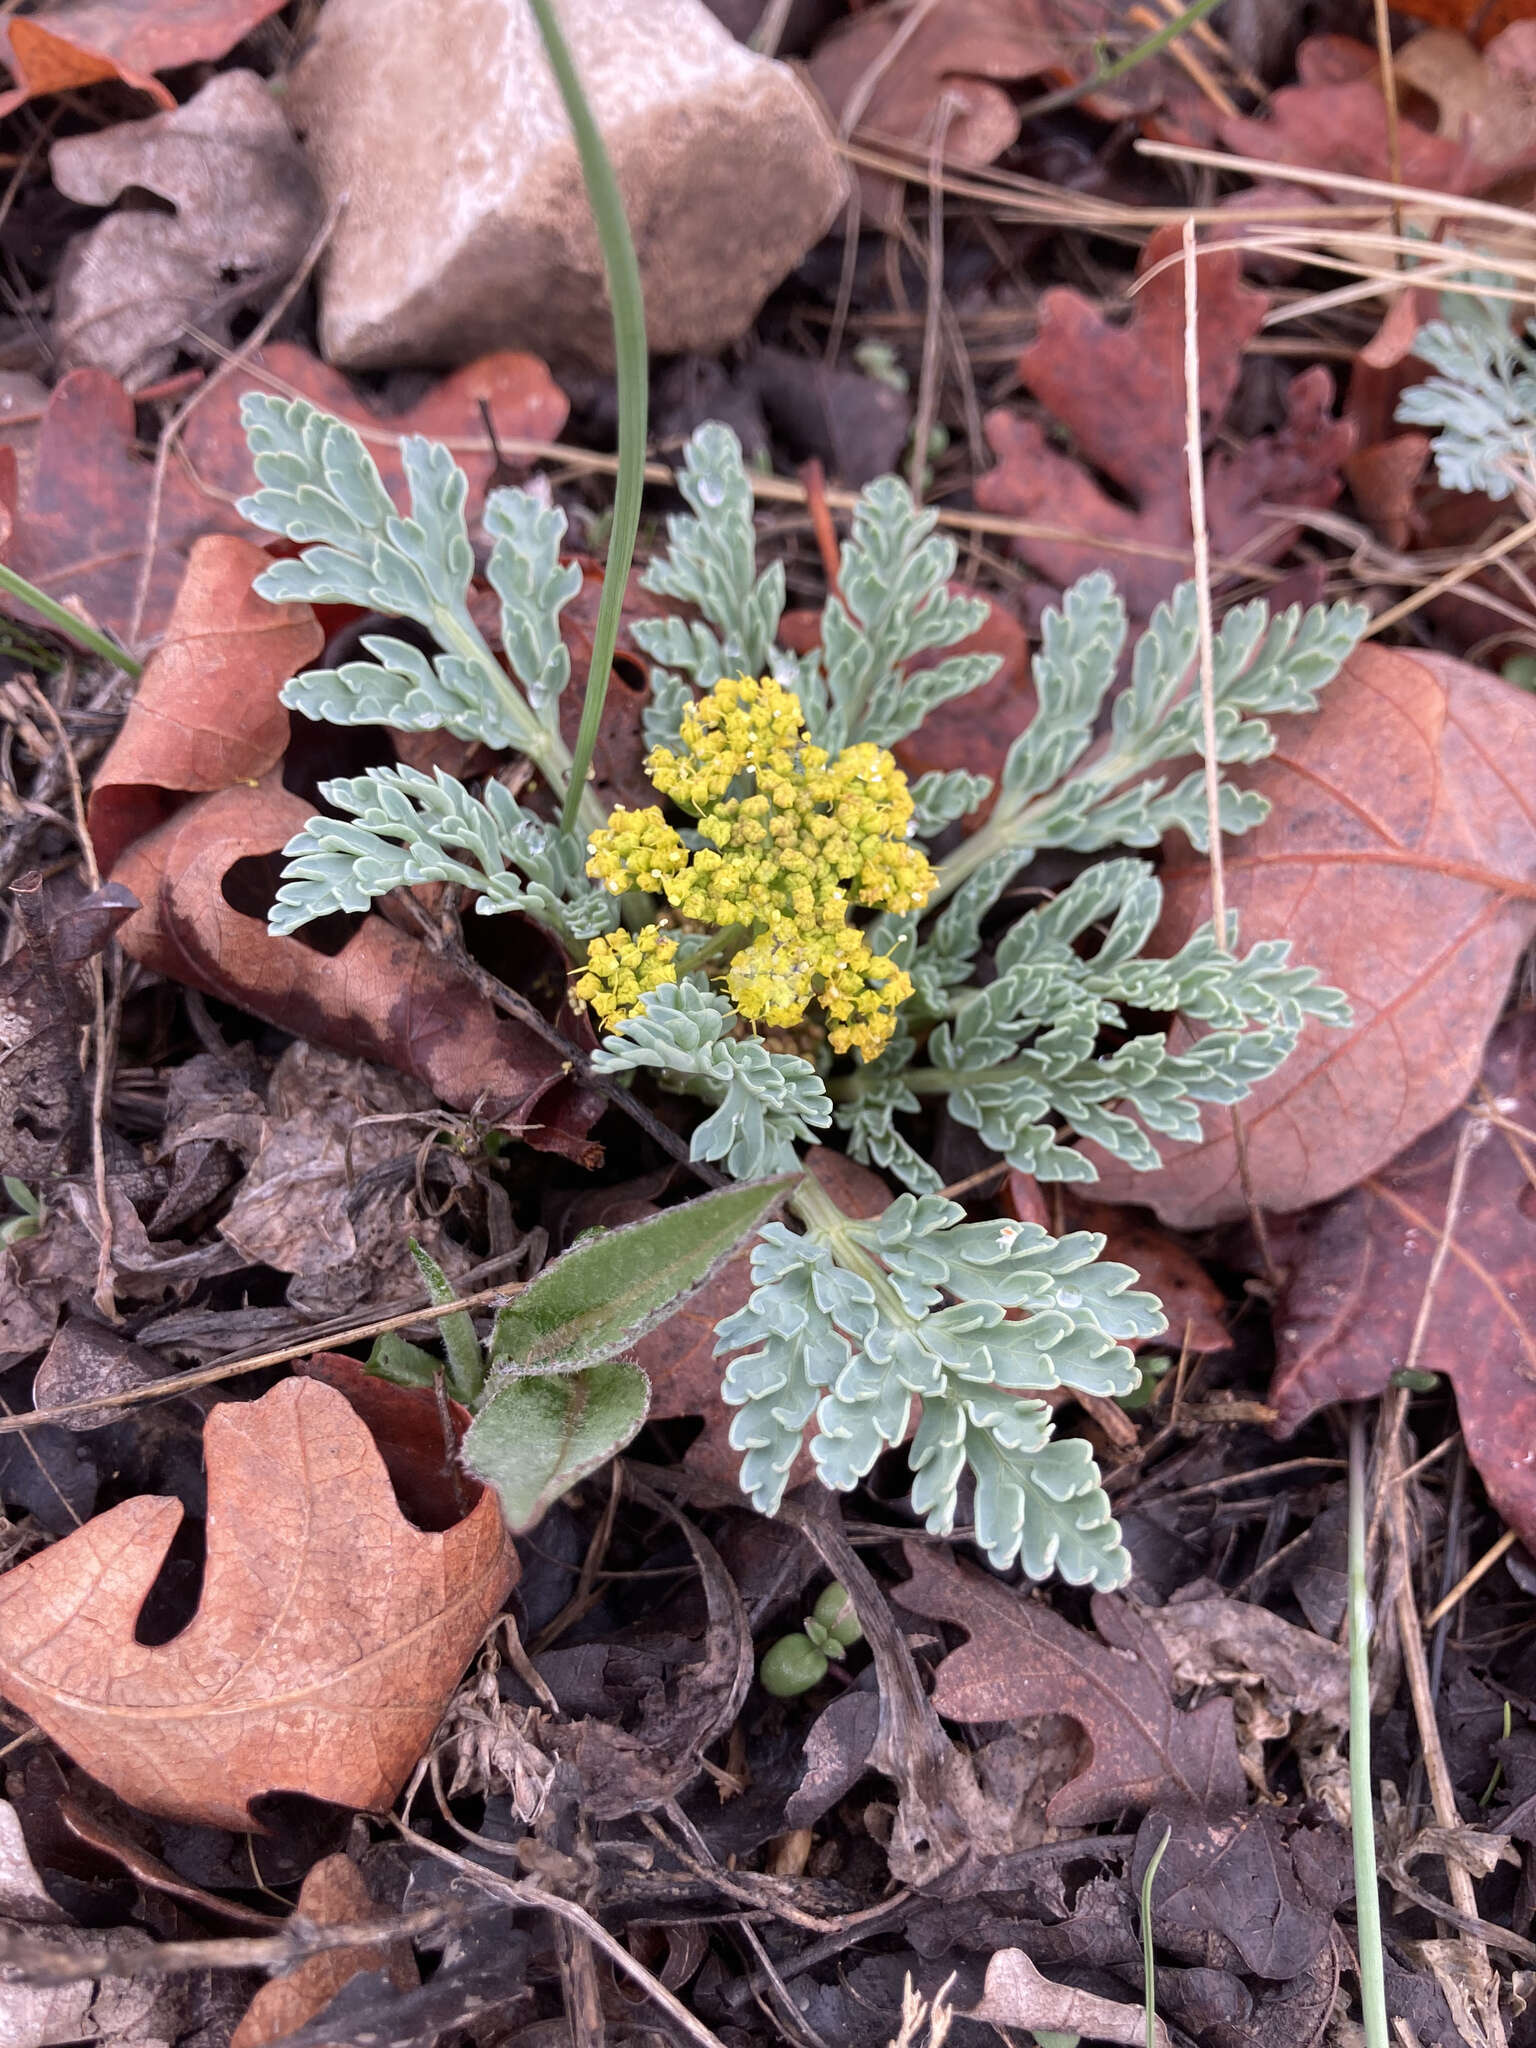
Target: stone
<point x="466" y="226"/>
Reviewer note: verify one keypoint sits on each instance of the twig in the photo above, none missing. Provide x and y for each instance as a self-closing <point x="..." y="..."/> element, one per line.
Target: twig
<point x="1389" y="94"/>
<point x="1069" y="95"/>
<point x="523" y="1892"/>
<point x="928" y="373"/>
<point x="1469" y="1579"/>
<point x="230" y="1368"/>
<point x="1460" y="574"/>
<point x="29" y="1961"/>
<point x="1194" y="448"/>
<point x="101" y="1073"/>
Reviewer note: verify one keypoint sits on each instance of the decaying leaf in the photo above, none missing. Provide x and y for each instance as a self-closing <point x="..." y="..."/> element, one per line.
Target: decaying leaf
<point x="206" y="718"/>
<point x="42" y="1005"/>
<point x="636" y="1769"/>
<point x="1023" y="1659"/>
<point x="80" y="42"/>
<point x="1358" y="1271"/>
<point x="318" y="1201"/>
<point x="1018" y="1995"/>
<point x="329" y="1636"/>
<point x="1335" y="117"/>
<point x="82" y="522"/>
<point x="244" y="206"/>
<point x="332" y="1895"/>
<point x="1400" y="861"/>
<point x="1120" y="393"/>
<point x="1244" y="1892"/>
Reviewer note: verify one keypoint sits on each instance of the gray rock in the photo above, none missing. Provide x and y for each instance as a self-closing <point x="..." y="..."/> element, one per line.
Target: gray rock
<point x="466" y="226"/>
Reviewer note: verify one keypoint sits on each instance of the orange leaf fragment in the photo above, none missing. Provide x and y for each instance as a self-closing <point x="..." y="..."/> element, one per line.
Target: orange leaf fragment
<point x="328" y="1640"/>
<point x="332" y="1895"/>
<point x="81" y="42"/>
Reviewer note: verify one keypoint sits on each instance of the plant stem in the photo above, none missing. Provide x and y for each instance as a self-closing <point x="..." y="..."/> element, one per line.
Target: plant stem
<point x="1373" y="1985"/>
<point x="74" y="630"/>
<point x="1148" y="1960"/>
<point x="627" y="299"/>
<point x="1130" y="60"/>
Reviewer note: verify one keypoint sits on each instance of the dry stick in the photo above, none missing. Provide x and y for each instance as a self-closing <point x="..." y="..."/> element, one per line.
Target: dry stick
<point x="103" y="1296"/>
<point x="1389" y="94"/>
<point x="523" y="1892"/>
<point x="172" y="434"/>
<point x="1451" y="578"/>
<point x="1195" y="457"/>
<point x="29" y="1961"/>
<point x="230" y="1368"/>
<point x="1442" y="1794"/>
<point x="928" y="374"/>
<point x="1469" y="1579"/>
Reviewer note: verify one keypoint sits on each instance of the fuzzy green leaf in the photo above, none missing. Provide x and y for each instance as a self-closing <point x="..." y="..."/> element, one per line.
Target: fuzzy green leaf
<point x="611" y="1287"/>
<point x="537" y="1436"/>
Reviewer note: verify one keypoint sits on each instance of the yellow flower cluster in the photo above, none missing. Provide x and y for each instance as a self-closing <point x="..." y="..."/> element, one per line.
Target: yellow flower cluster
<point x="620" y="970"/>
<point x="808" y="839"/>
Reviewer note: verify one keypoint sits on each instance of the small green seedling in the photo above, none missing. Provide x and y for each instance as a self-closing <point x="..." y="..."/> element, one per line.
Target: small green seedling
<point x="797" y="1663"/>
<point x="33" y="1212"/>
<point x="1154" y="1367"/>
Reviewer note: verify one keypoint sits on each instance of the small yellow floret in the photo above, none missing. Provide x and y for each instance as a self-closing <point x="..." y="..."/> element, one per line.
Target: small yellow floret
<point x="622" y="970"/>
<point x="636" y="850"/>
<point x="806" y="839"/>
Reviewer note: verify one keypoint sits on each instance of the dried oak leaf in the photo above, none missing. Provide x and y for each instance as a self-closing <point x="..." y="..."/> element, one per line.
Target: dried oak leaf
<point x="243" y="208"/>
<point x="1358" y="1271"/>
<point x="1244" y="1891"/>
<point x="1120" y="392"/>
<point x="81" y="42"/>
<point x="1335" y="117"/>
<point x="81" y="525"/>
<point x="907" y="77"/>
<point x="332" y="1895"/>
<point x="207" y="718"/>
<point x="1023" y="1659"/>
<point x="328" y="1639"/>
<point x="1400" y="861"/>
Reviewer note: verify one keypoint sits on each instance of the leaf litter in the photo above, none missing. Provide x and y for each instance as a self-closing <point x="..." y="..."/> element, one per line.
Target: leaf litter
<point x="280" y="1117"/>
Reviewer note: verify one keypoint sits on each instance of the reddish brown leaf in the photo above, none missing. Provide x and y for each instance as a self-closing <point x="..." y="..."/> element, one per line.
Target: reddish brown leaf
<point x="82" y="42"/>
<point x="383" y="997"/>
<point x="894" y="73"/>
<point x="523" y="400"/>
<point x="1479" y="19"/>
<point x="1358" y="1271"/>
<point x="206" y="713"/>
<point x="407" y="1429"/>
<point x="1023" y="1659"/>
<point x="332" y="1895"/>
<point x="206" y="718"/>
<point x="82" y="525"/>
<point x="1120" y="391"/>
<point x="329" y="1636"/>
<point x="1400" y="860"/>
<point x="679" y="1356"/>
<point x="1335" y="117"/>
